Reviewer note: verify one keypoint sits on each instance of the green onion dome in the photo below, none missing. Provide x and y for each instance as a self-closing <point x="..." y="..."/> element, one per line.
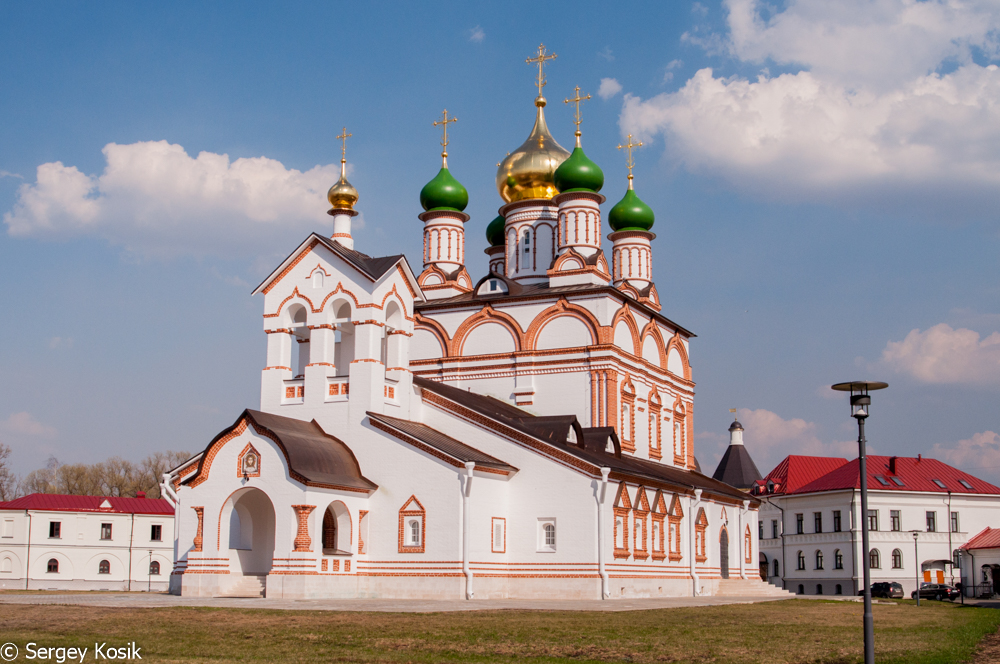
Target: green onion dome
<point x="495" y="232"/>
<point x="444" y="192"/>
<point x="578" y="173"/>
<point x="630" y="214"/>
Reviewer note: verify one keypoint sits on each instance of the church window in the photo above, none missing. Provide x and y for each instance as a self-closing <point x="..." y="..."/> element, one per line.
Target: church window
<point x="329" y="531"/>
<point x="412" y="527"/>
<point x="656" y="537"/>
<point x="154" y="568"/>
<point x="874" y="559"/>
<point x="53" y="566"/>
<point x="627" y="424"/>
<point x="104" y="567"/>
<point x="747" y="546"/>
<point x="156" y="533"/>
<point x="55" y="529"/>
<point x="619" y="533"/>
<point x="105" y="531"/>
<point x="760" y="530"/>
<point x="300" y="341"/>
<point x="547" y="535"/>
<point x="777" y="569"/>
<point x="527" y="242"/>
<point x="680" y="453"/>
<point x="700" y="526"/>
<point x="801" y="558"/>
<point x="499" y="535"/>
<point x="838" y="559"/>
<point x="897" y="559"/>
<point x="819" y="560"/>
<point x="626" y="420"/>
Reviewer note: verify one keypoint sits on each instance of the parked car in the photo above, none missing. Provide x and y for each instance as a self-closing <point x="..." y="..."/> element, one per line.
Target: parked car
<point x="886" y="589"/>
<point x="936" y="591"/>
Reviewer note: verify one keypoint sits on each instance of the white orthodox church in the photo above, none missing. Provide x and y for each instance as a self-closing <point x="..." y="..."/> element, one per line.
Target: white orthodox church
<point x="524" y="435"/>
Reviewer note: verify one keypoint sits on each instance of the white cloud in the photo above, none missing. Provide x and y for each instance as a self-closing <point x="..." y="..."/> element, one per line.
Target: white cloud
<point x="61" y="342"/>
<point x="477" y="34"/>
<point x="770" y="438"/>
<point x="8" y="174"/>
<point x="606" y="54"/>
<point x="156" y="200"/>
<point x="977" y="455"/>
<point x="699" y="9"/>
<point x="609" y="88"/>
<point x="884" y="98"/>
<point x="669" y="74"/>
<point x="941" y="354"/>
<point x="25" y="423"/>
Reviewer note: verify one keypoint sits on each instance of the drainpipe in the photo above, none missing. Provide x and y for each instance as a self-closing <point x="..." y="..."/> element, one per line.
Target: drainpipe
<point x="951" y="552"/>
<point x="742" y="542"/>
<point x="691" y="543"/>
<point x="469" y="466"/>
<point x="27" y="555"/>
<point x="605" y="589"/>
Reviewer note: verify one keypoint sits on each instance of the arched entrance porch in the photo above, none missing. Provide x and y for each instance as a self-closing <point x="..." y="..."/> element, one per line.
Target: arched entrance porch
<point x="249" y="515"/>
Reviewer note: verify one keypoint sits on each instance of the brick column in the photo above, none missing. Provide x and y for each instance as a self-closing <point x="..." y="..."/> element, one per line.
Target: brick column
<point x="198" y="538"/>
<point x="302" y="540"/>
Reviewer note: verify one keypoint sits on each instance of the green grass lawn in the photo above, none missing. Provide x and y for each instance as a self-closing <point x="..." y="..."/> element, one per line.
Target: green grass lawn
<point x="773" y="632"/>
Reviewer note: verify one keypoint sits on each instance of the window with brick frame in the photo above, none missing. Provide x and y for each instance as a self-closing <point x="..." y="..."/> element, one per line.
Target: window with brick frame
<point x="622" y="511"/>
<point x="700" y="547"/>
<point x="412" y="527"/>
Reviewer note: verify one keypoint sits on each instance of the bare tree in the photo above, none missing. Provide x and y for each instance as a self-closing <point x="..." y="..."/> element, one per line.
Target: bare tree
<point x="114" y="477"/>
<point x="42" y="480"/>
<point x="152" y="468"/>
<point x="9" y="483"/>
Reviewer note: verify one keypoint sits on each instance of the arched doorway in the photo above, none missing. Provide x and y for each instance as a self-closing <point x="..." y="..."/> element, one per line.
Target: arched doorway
<point x="724" y="553"/>
<point x="337" y="535"/>
<point x="251" y="531"/>
<point x="764" y="566"/>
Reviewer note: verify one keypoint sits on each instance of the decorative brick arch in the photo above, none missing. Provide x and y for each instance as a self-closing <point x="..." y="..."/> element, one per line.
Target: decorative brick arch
<point x="625" y="314"/>
<point x="435" y="328"/>
<point x="235" y="431"/>
<point x="562" y="308"/>
<point x="487" y="315"/>
<point x="295" y="294"/>
<point x="653" y="330"/>
<point x="394" y="293"/>
<point x="339" y="289"/>
<point x="676" y="342"/>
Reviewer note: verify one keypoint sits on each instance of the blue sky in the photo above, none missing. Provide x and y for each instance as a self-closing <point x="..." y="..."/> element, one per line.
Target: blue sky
<point x="825" y="178"/>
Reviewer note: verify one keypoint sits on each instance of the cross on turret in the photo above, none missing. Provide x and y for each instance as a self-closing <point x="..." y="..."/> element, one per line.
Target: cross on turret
<point x="540" y="59"/>
<point x="443" y="123"/>
<point x="577" y="118"/>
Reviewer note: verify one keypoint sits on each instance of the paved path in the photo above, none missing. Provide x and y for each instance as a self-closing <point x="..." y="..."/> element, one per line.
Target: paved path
<point x="156" y="600"/>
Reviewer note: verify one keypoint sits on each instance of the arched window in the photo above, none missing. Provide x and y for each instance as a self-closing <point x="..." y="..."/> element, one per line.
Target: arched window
<point x="956" y="557"/>
<point x="343" y="353"/>
<point x="329" y="531"/>
<point x="897" y="559"/>
<point x="840" y="590"/>
<point x="154" y="568"/>
<point x="819" y="588"/>
<point x="104" y="567"/>
<point x="550" y="535"/>
<point x="777" y="570"/>
<point x="53" y="566"/>
<point x="819" y="560"/>
<point x="414" y="533"/>
<point x="802" y="589"/>
<point x="392" y="343"/>
<point x="300" y="340"/>
<point x="802" y="560"/>
<point x="838" y="559"/>
<point x="678" y="436"/>
<point x="874" y="559"/>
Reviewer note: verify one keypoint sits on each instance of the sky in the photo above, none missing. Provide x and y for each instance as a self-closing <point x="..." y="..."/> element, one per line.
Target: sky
<point x="825" y="178"/>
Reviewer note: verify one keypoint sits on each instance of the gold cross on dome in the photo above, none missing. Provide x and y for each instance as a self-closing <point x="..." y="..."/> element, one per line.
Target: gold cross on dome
<point x="444" y="125"/>
<point x="630" y="161"/>
<point x="540" y="59"/>
<point x="343" y="149"/>
<point x="576" y="100"/>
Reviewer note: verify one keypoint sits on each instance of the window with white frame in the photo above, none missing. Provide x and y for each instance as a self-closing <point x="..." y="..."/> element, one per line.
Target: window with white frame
<point x="547" y="535"/>
<point x="656" y="536"/>
<point x="413" y="531"/>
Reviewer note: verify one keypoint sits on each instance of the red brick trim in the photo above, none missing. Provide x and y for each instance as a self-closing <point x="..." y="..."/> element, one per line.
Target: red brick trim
<point x="298" y="259"/>
<point x="199" y="535"/>
<point x="361" y="542"/>
<point x="403" y="513"/>
<point x="302" y="540"/>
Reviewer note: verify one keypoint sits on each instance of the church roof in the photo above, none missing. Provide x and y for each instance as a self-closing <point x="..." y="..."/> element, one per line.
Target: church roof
<point x="543" y="290"/>
<point x="314" y="457"/>
<point x="583" y="444"/>
<point x="442" y="443"/>
<point x="737" y="468"/>
<point x="373" y="268"/>
<point x="48" y="502"/>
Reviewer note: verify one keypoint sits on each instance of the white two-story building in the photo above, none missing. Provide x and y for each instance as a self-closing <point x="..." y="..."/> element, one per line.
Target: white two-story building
<point x="52" y="542"/>
<point x="920" y="514"/>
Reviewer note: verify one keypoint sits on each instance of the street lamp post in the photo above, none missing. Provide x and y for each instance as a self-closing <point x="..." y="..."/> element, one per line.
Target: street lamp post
<point x="916" y="563"/>
<point x="860" y="403"/>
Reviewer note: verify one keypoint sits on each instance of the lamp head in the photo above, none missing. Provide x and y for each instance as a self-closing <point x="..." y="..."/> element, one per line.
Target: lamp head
<point x="859" y="405"/>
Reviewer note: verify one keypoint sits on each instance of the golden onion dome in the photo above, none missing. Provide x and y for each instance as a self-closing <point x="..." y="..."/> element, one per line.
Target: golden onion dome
<point x="342" y="194"/>
<point x="529" y="171"/>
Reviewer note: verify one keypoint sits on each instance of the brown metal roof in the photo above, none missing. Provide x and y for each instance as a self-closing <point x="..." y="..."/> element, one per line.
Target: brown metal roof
<point x="441" y="442"/>
<point x="314" y="456"/>
<point x="590" y="444"/>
